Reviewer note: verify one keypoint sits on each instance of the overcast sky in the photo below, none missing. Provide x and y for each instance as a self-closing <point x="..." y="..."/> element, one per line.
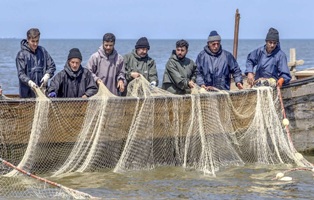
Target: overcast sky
<point x="160" y="19"/>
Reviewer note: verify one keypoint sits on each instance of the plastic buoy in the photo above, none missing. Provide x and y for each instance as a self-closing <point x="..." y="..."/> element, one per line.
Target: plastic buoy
<point x="285" y="122"/>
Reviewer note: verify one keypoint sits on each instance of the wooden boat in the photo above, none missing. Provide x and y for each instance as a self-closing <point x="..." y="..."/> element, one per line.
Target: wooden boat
<point x="298" y="98"/>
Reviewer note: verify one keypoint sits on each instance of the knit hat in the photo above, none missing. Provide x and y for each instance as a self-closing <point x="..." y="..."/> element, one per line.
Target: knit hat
<point x="75" y="53"/>
<point x="142" y="43"/>
<point x="213" y="36"/>
<point x="272" y="35"/>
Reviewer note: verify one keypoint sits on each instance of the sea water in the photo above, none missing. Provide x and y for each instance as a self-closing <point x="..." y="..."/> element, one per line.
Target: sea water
<point x="241" y="182"/>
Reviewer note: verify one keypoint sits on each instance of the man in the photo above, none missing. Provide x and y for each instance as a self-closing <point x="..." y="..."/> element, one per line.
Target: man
<point x="180" y="72"/>
<point x="73" y="80"/>
<point x="107" y="66"/>
<point x="139" y="63"/>
<point x="34" y="64"/>
<point x="215" y="66"/>
<point x="270" y="61"/>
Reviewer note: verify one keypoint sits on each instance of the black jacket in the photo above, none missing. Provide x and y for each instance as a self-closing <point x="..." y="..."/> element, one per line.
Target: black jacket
<point x="73" y="84"/>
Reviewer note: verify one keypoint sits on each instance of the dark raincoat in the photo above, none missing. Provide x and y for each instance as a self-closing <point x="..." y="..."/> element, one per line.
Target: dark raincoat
<point x="73" y="84"/>
<point x="145" y="66"/>
<point x="273" y="65"/>
<point x="178" y="74"/>
<point x="215" y="69"/>
<point x="32" y="66"/>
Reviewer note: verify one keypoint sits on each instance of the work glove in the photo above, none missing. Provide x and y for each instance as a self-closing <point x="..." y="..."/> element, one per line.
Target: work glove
<point x="52" y="94"/>
<point x="280" y="82"/>
<point x="152" y="85"/>
<point x="45" y="79"/>
<point x="32" y="84"/>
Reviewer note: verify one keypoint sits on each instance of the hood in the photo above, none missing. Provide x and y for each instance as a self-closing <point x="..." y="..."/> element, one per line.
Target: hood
<point x="102" y="54"/>
<point x="71" y="73"/>
<point x="273" y="52"/>
<point x="24" y="45"/>
<point x="207" y="50"/>
<point x="175" y="57"/>
<point x="137" y="56"/>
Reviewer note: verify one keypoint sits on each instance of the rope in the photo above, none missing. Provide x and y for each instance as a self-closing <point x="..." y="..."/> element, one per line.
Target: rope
<point x="66" y="189"/>
<point x="285" y="117"/>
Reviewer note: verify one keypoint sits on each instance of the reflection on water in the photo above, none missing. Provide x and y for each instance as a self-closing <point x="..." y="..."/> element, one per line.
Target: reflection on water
<point x="246" y="182"/>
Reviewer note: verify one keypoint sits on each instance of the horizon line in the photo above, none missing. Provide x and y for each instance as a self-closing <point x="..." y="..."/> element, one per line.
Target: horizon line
<point x="155" y="38"/>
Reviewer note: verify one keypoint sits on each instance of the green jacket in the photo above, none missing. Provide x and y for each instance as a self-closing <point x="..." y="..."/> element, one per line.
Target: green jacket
<point x="145" y="66"/>
<point x="178" y="73"/>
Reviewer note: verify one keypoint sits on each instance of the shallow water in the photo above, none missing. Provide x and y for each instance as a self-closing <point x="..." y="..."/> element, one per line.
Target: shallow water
<point x="245" y="182"/>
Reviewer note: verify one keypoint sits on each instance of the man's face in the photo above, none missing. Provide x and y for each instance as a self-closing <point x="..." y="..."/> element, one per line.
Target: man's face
<point x="214" y="46"/>
<point x="108" y="47"/>
<point x="33" y="43"/>
<point x="271" y="45"/>
<point x="181" y="52"/>
<point x="142" y="52"/>
<point x="74" y="64"/>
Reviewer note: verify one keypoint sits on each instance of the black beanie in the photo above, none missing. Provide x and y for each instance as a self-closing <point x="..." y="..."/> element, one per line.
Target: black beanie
<point x="272" y="35"/>
<point x="142" y="43"/>
<point x="75" y="53"/>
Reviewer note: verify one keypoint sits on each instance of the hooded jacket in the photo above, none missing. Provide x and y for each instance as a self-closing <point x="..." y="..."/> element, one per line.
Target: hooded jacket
<point x="110" y="69"/>
<point x="178" y="74"/>
<point x="32" y="66"/>
<point x="70" y="84"/>
<point x="145" y="66"/>
<point x="273" y="65"/>
<point x="215" y="69"/>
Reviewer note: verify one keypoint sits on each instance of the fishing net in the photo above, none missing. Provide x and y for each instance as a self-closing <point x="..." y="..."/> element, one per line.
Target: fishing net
<point x="150" y="127"/>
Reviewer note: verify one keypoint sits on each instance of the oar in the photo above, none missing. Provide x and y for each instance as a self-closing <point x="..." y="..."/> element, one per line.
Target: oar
<point x="64" y="188"/>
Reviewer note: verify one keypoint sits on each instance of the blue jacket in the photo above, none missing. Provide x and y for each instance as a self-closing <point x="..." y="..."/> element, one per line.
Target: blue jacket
<point x="215" y="69"/>
<point x="273" y="65"/>
<point x="32" y="66"/>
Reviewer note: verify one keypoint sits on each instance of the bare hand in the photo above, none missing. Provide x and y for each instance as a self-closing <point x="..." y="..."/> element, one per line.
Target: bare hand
<point x="84" y="96"/>
<point x="135" y="74"/>
<point x="191" y="84"/>
<point x="211" y="88"/>
<point x="250" y="79"/>
<point x="240" y="86"/>
<point x="120" y="85"/>
<point x="99" y="81"/>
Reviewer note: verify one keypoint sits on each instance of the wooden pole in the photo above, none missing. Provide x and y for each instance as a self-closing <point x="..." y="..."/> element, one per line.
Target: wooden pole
<point x="236" y="34"/>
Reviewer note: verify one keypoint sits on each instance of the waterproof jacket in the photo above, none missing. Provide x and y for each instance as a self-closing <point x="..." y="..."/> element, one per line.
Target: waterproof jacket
<point x="70" y="84"/>
<point x="273" y="65"/>
<point x="178" y="74"/>
<point x="145" y="66"/>
<point x="110" y="69"/>
<point x="32" y="66"/>
<point x="215" y="69"/>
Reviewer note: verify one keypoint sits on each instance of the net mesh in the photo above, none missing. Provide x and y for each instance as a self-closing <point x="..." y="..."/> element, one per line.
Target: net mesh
<point x="205" y="131"/>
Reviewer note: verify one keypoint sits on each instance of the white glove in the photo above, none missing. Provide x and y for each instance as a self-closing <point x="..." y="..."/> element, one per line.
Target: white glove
<point x="153" y="83"/>
<point x="45" y="79"/>
<point x="32" y="84"/>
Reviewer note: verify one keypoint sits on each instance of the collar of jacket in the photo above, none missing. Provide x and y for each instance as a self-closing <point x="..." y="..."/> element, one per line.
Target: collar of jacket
<point x="175" y="57"/>
<point x="71" y="73"/>
<point x="208" y="51"/>
<point x="139" y="57"/>
<point x="273" y="52"/>
<point x="102" y="53"/>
